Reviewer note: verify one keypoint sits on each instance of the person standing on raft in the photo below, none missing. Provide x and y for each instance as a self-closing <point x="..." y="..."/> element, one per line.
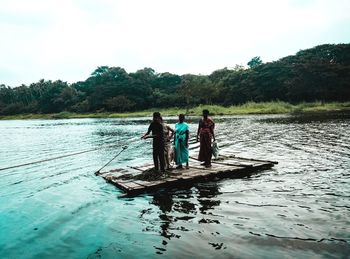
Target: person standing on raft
<point x="168" y="135"/>
<point x="205" y="135"/>
<point x="181" y="142"/>
<point x="158" y="141"/>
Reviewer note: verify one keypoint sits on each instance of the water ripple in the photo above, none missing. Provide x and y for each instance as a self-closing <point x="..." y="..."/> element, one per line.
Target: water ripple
<point x="300" y="208"/>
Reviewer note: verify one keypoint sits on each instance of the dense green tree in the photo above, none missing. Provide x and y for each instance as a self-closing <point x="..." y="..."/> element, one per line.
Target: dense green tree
<point x="254" y="62"/>
<point x="320" y="73"/>
<point x="119" y="103"/>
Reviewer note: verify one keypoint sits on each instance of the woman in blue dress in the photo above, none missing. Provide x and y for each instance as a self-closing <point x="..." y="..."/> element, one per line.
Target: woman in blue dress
<point x="181" y="138"/>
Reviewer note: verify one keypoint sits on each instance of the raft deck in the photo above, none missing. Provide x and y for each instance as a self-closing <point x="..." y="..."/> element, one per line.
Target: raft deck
<point x="227" y="167"/>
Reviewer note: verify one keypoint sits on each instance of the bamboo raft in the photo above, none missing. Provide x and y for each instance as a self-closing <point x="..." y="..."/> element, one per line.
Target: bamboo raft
<point x="226" y="167"/>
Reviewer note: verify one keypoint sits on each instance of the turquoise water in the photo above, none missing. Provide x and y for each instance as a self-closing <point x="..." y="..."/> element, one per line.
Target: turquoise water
<point x="300" y="208"/>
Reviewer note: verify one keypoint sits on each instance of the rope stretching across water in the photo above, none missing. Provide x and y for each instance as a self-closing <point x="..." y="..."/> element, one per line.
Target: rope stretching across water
<point x="71" y="154"/>
<point x="58" y="157"/>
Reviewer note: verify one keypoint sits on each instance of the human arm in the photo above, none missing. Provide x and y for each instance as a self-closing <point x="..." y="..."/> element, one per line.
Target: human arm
<point x="199" y="129"/>
<point x="187" y="137"/>
<point x="212" y="130"/>
<point x="172" y="132"/>
<point x="147" y="134"/>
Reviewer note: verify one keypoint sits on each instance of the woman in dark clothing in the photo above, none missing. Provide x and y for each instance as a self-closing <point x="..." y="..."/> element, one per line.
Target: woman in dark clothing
<point x="205" y="135"/>
<point x="158" y="141"/>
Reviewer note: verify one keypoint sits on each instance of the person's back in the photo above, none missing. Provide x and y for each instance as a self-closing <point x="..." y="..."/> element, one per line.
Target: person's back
<point x="158" y="141"/>
<point x="168" y="133"/>
<point x="205" y="135"/>
<point x="158" y="132"/>
<point x="181" y="141"/>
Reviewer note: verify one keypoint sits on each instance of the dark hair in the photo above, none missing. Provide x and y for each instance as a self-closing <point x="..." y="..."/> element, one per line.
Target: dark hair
<point x="181" y="117"/>
<point x="156" y="115"/>
<point x="205" y="112"/>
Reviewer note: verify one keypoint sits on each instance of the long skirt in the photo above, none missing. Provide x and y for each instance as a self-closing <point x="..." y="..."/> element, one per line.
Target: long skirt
<point x="181" y="152"/>
<point x="205" y="149"/>
<point x="168" y="150"/>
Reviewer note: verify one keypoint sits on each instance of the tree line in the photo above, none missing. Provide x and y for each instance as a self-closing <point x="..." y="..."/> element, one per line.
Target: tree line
<point x="321" y="73"/>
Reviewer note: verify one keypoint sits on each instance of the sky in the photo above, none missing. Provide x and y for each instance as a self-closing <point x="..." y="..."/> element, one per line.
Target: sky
<point x="69" y="39"/>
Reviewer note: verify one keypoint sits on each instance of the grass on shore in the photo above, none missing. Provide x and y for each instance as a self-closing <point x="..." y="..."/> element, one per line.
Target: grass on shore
<point x="276" y="107"/>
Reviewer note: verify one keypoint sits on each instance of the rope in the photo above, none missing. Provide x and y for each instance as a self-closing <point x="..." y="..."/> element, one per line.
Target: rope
<point x="123" y="148"/>
<point x="58" y="157"/>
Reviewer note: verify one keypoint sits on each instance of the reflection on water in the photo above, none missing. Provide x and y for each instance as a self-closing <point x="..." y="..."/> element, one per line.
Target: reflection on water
<point x="300" y="208"/>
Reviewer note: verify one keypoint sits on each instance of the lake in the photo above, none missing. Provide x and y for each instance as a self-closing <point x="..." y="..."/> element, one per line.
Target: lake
<point x="56" y="209"/>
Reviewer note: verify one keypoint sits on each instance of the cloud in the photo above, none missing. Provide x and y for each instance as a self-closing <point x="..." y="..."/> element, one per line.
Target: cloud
<point x="68" y="39"/>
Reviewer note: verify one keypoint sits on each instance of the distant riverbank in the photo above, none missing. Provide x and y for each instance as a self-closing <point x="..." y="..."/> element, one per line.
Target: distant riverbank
<point x="276" y="107"/>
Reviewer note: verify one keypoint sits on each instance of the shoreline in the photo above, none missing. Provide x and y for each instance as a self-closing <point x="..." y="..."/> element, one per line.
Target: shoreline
<point x="276" y="107"/>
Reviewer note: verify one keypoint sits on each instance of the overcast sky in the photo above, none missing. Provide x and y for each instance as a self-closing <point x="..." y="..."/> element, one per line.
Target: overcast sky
<point x="69" y="39"/>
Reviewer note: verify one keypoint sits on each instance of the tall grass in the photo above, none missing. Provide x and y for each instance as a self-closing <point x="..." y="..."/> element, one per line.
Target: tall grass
<point x="276" y="107"/>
